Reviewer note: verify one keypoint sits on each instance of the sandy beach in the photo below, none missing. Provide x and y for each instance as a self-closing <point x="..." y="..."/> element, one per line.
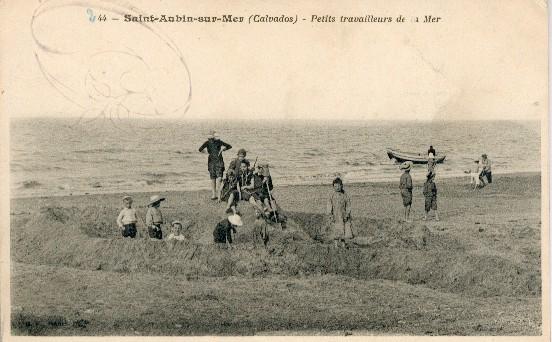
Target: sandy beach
<point x="475" y="272"/>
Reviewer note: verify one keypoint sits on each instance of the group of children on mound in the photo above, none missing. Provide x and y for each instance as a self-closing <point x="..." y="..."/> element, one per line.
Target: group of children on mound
<point x="128" y="219"/>
<point x="429" y="189"/>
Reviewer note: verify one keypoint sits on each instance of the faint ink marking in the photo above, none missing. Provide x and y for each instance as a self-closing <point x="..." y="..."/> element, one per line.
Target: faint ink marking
<point x="113" y="79"/>
<point x="91" y="15"/>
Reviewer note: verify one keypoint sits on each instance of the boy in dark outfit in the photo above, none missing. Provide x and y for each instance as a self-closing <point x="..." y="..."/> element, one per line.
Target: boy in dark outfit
<point x="215" y="162"/>
<point x="430" y="194"/>
<point x="405" y="186"/>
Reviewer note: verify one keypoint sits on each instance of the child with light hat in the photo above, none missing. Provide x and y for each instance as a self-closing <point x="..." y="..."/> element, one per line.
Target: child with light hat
<point x="154" y="218"/>
<point x="222" y="234"/>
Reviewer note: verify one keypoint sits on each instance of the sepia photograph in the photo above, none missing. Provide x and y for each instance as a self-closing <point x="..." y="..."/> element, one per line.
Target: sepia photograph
<point x="279" y="169"/>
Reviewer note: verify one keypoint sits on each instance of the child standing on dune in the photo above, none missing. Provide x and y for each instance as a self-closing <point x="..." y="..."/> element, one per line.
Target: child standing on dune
<point x="405" y="186"/>
<point x="154" y="218"/>
<point x="339" y="212"/>
<point x="430" y="194"/>
<point x="127" y="218"/>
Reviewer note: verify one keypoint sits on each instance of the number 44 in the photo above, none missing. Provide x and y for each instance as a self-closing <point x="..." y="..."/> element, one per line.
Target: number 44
<point x="102" y="17"/>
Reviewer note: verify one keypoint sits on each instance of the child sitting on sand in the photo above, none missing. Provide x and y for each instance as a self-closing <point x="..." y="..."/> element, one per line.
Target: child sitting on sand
<point x="127" y="218"/>
<point x="154" y="218"/>
<point x="405" y="186"/>
<point x="229" y="190"/>
<point x="339" y="212"/>
<point x="430" y="194"/>
<point x="176" y="232"/>
<point x="222" y="234"/>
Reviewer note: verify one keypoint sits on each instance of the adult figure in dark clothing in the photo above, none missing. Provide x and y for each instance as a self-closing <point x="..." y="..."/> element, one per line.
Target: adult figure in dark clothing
<point x="431" y="150"/>
<point x="215" y="162"/>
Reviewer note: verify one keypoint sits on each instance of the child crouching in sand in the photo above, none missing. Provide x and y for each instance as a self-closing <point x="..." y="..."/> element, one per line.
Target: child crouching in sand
<point x="222" y="234"/>
<point x="176" y="232"/>
<point x="127" y="218"/>
<point x="339" y="212"/>
<point x="430" y="194"/>
<point x="154" y="218"/>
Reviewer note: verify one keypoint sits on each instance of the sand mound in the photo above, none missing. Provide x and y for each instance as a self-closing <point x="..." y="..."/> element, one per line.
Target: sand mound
<point x="382" y="249"/>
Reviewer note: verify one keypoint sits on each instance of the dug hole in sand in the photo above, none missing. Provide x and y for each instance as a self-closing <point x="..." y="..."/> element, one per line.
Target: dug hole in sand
<point x="414" y="253"/>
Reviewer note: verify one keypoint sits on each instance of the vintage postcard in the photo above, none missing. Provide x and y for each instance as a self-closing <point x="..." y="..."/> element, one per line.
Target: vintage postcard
<point x="287" y="169"/>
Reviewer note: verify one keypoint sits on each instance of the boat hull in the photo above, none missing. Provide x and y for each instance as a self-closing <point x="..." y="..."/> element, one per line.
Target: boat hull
<point x="415" y="158"/>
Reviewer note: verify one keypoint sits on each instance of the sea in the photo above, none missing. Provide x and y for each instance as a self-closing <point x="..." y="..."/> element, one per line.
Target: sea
<point x="61" y="156"/>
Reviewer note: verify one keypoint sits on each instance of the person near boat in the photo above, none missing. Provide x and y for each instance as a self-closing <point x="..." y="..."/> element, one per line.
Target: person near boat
<point x="431" y="150"/>
<point x="430" y="195"/>
<point x="485" y="175"/>
<point x="405" y="185"/>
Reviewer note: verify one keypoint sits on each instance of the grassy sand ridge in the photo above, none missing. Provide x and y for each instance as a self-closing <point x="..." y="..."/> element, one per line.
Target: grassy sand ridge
<point x="476" y="272"/>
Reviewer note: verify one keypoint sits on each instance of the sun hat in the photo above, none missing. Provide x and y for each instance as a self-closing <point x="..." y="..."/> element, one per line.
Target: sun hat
<point x="235" y="220"/>
<point x="127" y="198"/>
<point x="213" y="134"/>
<point x="484" y="155"/>
<point x="155" y="198"/>
<point x="176" y="222"/>
<point x="406" y="165"/>
<point x="242" y="151"/>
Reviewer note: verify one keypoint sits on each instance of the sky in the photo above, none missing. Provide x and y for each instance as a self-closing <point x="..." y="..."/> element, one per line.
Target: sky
<point x="485" y="60"/>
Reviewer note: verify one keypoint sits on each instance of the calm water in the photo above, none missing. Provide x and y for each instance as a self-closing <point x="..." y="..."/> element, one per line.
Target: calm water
<point x="61" y="156"/>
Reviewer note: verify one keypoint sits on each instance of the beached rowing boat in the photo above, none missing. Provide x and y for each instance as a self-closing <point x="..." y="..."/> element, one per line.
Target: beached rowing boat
<point x="416" y="158"/>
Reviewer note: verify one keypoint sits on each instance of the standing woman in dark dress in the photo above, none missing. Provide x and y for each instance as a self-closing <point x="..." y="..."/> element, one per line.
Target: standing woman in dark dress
<point x="215" y="163"/>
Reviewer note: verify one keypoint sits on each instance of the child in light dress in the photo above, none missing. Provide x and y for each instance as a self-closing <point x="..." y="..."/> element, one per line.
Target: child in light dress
<point x="339" y="214"/>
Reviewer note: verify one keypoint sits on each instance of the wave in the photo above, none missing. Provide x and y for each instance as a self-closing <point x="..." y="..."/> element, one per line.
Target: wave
<point x="103" y="150"/>
<point x="30" y="184"/>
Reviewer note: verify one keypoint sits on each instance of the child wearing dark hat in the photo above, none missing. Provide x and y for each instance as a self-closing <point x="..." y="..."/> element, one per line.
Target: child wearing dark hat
<point x="430" y="194"/>
<point x="154" y="218"/>
<point x="236" y="163"/>
<point x="405" y="186"/>
<point x="127" y="218"/>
